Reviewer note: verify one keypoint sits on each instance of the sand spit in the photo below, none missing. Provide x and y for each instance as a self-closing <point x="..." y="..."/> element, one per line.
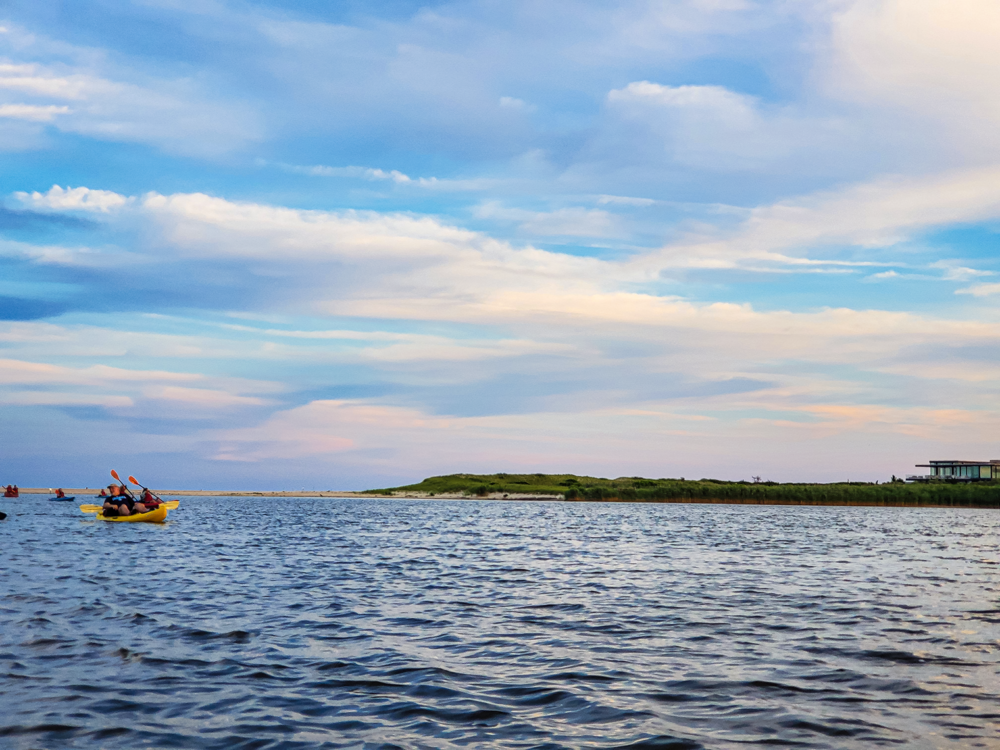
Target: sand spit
<point x="83" y="494"/>
<point x="91" y="492"/>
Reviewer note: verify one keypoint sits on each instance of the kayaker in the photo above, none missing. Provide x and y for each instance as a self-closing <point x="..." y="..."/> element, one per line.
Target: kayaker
<point x="123" y="506"/>
<point x="122" y="502"/>
<point x="60" y="493"/>
<point x="148" y="499"/>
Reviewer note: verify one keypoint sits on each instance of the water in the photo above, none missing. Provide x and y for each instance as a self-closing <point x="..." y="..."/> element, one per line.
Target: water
<point x="266" y="623"/>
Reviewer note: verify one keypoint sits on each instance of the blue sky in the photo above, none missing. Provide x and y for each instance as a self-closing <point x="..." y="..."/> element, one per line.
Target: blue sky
<point x="343" y="245"/>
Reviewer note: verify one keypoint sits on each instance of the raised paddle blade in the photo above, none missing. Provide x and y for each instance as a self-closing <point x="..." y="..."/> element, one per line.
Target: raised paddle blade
<point x="115" y="475"/>
<point x="134" y="481"/>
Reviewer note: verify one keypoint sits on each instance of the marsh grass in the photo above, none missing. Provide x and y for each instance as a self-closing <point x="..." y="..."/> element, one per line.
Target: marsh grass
<point x="641" y="489"/>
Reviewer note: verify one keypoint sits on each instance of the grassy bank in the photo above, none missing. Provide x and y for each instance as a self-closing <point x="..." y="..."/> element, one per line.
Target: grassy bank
<point x="571" y="487"/>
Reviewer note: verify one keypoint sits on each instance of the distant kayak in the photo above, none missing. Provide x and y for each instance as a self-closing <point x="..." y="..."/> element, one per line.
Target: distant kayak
<point x="62" y="499"/>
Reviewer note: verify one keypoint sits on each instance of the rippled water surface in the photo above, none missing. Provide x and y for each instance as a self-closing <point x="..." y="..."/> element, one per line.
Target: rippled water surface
<point x="264" y="623"/>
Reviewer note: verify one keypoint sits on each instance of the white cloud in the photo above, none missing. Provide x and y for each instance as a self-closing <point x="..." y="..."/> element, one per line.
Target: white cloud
<point x="80" y="198"/>
<point x="76" y="91"/>
<point x="980" y="290"/>
<point x="566" y="222"/>
<point x="955" y="272"/>
<point x="510" y="102"/>
<point x="21" y="372"/>
<point x="32" y="112"/>
<point x="419" y="268"/>
<point x="367" y="173"/>
<point x="203" y="398"/>
<point x="624" y="200"/>
<point x="884" y="275"/>
<point x="394" y="176"/>
<point x="34" y="79"/>
<point x="875" y="214"/>
<point x="934" y="59"/>
<point x="28" y="383"/>
<point x="54" y="398"/>
<point x="712" y="127"/>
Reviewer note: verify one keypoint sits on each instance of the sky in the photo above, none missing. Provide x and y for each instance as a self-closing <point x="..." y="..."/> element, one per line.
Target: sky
<point x="263" y="244"/>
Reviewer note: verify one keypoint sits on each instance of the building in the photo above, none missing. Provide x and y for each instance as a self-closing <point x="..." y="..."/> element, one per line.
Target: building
<point x="959" y="471"/>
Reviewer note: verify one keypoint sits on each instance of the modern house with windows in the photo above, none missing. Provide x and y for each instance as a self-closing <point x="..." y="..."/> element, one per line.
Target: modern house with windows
<point x="959" y="471"/>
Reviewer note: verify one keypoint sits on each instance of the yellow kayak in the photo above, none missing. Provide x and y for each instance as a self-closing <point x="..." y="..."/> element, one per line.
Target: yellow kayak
<point x="157" y="515"/>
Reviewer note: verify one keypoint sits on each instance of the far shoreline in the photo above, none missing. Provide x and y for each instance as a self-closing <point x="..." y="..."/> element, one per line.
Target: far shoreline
<point x="86" y="493"/>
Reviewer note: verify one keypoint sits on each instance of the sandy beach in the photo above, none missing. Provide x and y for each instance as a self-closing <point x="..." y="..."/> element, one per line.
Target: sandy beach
<point x="92" y="492"/>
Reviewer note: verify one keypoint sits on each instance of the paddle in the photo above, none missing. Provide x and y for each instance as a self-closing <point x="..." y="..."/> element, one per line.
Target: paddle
<point x="171" y="504"/>
<point x="123" y="485"/>
<point x="135" y="481"/>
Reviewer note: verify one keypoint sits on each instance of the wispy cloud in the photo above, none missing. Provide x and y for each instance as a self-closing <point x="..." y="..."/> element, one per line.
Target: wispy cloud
<point x="79" y="92"/>
<point x="392" y="175"/>
<point x="573" y="221"/>
<point x="33" y="112"/>
<point x="980" y="290"/>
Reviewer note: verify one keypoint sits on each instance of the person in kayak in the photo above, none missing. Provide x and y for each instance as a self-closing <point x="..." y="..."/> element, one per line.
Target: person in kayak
<point x="148" y="499"/>
<point x="123" y="503"/>
<point x="60" y="493"/>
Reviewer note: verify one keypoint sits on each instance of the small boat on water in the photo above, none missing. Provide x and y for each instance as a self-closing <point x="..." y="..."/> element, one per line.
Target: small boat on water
<point x="122" y="499"/>
<point x="156" y="515"/>
<point x="62" y="499"/>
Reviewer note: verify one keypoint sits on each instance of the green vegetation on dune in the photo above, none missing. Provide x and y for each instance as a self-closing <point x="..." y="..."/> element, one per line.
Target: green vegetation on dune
<point x="571" y="487"/>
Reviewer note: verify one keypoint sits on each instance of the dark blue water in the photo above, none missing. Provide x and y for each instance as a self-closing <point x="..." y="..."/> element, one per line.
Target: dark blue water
<point x="262" y="623"/>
